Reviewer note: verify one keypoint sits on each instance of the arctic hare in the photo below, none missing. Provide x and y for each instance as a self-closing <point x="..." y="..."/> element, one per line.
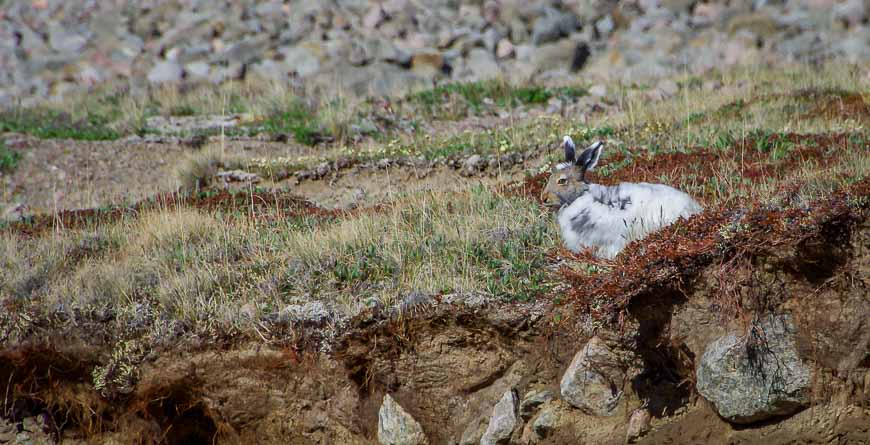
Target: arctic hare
<point x="606" y="218"/>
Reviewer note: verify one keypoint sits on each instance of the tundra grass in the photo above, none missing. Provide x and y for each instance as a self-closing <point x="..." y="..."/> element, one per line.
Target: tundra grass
<point x="179" y="269"/>
<point x="206" y="270"/>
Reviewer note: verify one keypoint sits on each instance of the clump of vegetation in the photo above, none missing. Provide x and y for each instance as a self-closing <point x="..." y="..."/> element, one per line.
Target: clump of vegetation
<point x="199" y="267"/>
<point x="120" y="375"/>
<point x="197" y="171"/>
<point x="476" y="96"/>
<point x="51" y="124"/>
<point x="295" y="119"/>
<point x="8" y="158"/>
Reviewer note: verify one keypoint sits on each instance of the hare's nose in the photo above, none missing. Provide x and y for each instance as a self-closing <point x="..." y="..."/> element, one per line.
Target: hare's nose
<point x="549" y="199"/>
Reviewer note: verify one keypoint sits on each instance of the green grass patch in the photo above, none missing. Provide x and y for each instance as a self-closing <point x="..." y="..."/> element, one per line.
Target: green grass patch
<point x="477" y="96"/>
<point x="8" y="158"/>
<point x="297" y="120"/>
<point x="51" y="124"/>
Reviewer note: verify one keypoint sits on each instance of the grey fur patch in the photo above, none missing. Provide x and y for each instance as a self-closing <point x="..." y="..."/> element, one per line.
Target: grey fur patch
<point x="612" y="198"/>
<point x="581" y="222"/>
<point x="623" y="203"/>
<point x="563" y="165"/>
<point x="568" y="198"/>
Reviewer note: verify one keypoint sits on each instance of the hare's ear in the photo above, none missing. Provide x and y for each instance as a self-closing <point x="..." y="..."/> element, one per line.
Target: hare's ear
<point x="589" y="158"/>
<point x="569" y="148"/>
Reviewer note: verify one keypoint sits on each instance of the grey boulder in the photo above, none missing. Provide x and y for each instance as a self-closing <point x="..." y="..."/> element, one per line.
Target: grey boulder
<point x="502" y="421"/>
<point x="396" y="426"/>
<point x="755" y="376"/>
<point x="593" y="380"/>
<point x="553" y="25"/>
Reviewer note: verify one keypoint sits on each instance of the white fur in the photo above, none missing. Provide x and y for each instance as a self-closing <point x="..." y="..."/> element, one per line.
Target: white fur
<point x="614" y="216"/>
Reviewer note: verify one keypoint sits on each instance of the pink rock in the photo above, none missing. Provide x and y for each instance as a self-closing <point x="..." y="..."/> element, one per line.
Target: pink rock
<point x="638" y="424"/>
<point x="504" y="49"/>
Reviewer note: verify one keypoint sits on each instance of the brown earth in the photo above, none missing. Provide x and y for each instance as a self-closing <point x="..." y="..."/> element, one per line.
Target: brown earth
<point x="55" y="175"/>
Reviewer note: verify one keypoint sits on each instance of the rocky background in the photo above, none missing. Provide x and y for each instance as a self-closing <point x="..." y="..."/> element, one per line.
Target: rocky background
<point x="50" y="48"/>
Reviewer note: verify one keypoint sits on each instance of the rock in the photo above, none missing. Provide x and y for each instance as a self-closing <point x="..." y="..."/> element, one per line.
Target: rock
<point x="491" y="37"/>
<point x="165" y="72"/>
<point x="668" y="87"/>
<point x="518" y="31"/>
<point x="544" y="423"/>
<point x="593" y="381"/>
<point x="854" y="49"/>
<point x="394" y="7"/>
<point x="197" y="70"/>
<point x="554" y="25"/>
<point x="552" y="55"/>
<point x="238" y="176"/>
<point x="269" y="69"/>
<point x="417" y="41"/>
<point x="851" y="12"/>
<point x="580" y="56"/>
<point x="473" y="165"/>
<point x="491" y="11"/>
<point x="188" y="124"/>
<point x="376" y="79"/>
<point x="665" y="89"/>
<point x="12" y="212"/>
<point x="605" y="25"/>
<point x="396" y="426"/>
<point x="385" y="51"/>
<point x="300" y="60"/>
<point x="598" y="90"/>
<point x="90" y="75"/>
<point x="532" y="400"/>
<point x="712" y="85"/>
<point x="427" y="64"/>
<point x="482" y="65"/>
<point x="555" y="105"/>
<point x="504" y="49"/>
<point x="61" y="39"/>
<point x="755" y="376"/>
<point x="761" y="25"/>
<point x="707" y="14"/>
<point x="638" y="424"/>
<point x="474" y="431"/>
<point x="677" y="6"/>
<point x="313" y="312"/>
<point x="8" y="431"/>
<point x="374" y="17"/>
<point x="358" y="55"/>
<point x="503" y="420"/>
<point x="322" y="169"/>
<point x="244" y="51"/>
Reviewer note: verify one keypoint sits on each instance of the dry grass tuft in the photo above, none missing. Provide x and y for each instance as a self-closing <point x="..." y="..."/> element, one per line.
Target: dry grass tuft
<point x="179" y="269"/>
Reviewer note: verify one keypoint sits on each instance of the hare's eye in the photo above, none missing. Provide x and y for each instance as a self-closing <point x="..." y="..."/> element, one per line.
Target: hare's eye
<point x="562" y="181"/>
